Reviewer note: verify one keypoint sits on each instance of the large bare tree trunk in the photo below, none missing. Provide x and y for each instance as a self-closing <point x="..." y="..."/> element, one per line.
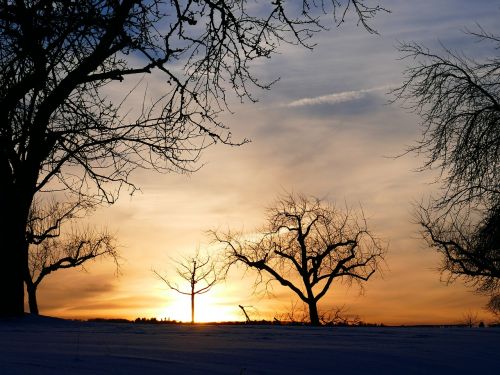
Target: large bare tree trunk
<point x="12" y="274"/>
<point x="16" y="194"/>
<point x="32" y="301"/>
<point x="14" y="253"/>
<point x="311" y="301"/>
<point x="313" y="314"/>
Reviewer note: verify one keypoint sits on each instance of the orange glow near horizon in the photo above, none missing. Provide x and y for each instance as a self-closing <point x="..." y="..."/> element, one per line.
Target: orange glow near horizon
<point x="410" y="292"/>
<point x="376" y="305"/>
<point x="207" y="309"/>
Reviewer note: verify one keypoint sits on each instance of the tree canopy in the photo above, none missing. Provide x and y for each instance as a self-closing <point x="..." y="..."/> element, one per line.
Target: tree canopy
<point x="305" y="246"/>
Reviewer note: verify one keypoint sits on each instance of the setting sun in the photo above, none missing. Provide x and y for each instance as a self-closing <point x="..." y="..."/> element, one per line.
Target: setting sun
<point x="207" y="309"/>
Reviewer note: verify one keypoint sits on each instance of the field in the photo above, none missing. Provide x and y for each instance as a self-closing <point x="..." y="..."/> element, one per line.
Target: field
<point x="52" y="346"/>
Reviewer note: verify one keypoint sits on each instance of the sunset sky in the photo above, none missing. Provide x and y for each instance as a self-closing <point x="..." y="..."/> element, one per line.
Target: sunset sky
<point x="325" y="129"/>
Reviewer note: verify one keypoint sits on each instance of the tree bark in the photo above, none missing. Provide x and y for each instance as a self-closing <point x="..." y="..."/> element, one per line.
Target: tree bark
<point x="313" y="313"/>
<point x="16" y="195"/>
<point x="14" y="253"/>
<point x="32" y="301"/>
<point x="12" y="274"/>
<point x="311" y="301"/>
<point x="192" y="308"/>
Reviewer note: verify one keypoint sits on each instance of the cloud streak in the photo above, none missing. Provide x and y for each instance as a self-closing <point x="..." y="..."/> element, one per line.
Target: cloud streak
<point x="336" y="98"/>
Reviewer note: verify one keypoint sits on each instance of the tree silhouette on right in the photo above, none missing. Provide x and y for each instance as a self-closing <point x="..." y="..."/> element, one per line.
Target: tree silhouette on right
<point x="305" y="246"/>
<point x="458" y="99"/>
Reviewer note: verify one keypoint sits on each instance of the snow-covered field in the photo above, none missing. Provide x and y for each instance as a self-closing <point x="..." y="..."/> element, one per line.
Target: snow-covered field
<point x="53" y="346"/>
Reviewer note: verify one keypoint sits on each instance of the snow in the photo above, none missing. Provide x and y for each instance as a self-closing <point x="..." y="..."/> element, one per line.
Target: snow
<point x="44" y="345"/>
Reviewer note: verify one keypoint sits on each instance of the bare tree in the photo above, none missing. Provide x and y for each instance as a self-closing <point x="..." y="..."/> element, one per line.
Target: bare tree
<point x="469" y="247"/>
<point x="45" y="219"/>
<point x="66" y="251"/>
<point x="469" y="319"/>
<point x="298" y="313"/>
<point x="305" y="246"/>
<point x="199" y="271"/>
<point x="458" y="99"/>
<point x="339" y="316"/>
<point x="247" y="317"/>
<point x="58" y="128"/>
<point x="50" y="249"/>
<point x="494" y="306"/>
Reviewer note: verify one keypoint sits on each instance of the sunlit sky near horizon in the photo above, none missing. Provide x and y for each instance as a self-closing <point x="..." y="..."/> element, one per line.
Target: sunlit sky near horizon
<point x="325" y="129"/>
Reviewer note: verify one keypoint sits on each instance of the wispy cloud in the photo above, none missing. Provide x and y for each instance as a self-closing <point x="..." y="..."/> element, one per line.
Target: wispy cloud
<point x="340" y="97"/>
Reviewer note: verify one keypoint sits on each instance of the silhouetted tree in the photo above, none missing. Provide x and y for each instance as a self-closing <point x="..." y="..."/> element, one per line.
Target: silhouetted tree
<point x="305" y="246"/>
<point x="297" y="313"/>
<point x="338" y="316"/>
<point x="67" y="251"/>
<point x="46" y="217"/>
<point x="58" y="128"/>
<point x="469" y="319"/>
<point x="458" y="99"/>
<point x="51" y="250"/>
<point x="470" y="247"/>
<point x="247" y="318"/>
<point x="494" y="305"/>
<point x="199" y="271"/>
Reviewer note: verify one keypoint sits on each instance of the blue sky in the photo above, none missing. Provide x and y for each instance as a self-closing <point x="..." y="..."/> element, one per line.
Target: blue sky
<point x="325" y="129"/>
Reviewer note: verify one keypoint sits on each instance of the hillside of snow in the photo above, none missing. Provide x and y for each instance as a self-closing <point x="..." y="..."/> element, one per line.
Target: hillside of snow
<point x="53" y="346"/>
